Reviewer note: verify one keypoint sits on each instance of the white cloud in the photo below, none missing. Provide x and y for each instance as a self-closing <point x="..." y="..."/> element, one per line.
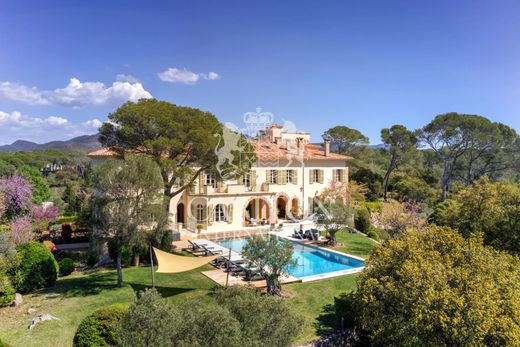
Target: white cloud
<point x="174" y="75"/>
<point x="76" y="93"/>
<point x="126" y="78"/>
<point x="16" y="125"/>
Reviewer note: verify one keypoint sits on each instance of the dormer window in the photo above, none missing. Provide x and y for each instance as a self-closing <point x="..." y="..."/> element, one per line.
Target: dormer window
<point x="210" y="180"/>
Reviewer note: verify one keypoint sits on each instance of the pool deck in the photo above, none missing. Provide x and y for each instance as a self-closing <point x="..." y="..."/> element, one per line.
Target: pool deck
<point x="219" y="276"/>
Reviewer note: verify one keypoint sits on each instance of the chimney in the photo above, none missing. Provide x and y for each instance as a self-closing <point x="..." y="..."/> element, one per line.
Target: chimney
<point x="299" y="142"/>
<point x="327" y="146"/>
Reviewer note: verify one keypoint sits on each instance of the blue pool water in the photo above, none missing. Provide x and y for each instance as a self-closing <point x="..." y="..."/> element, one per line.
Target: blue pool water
<point x="311" y="260"/>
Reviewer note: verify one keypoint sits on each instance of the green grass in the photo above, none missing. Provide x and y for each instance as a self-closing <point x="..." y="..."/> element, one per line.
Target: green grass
<point x="76" y="296"/>
<point x="354" y="243"/>
<point x="313" y="300"/>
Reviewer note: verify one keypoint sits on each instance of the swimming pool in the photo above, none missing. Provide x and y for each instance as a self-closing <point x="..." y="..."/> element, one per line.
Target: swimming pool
<point x="312" y="261"/>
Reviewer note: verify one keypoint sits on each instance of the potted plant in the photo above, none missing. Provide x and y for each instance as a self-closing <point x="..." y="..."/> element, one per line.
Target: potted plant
<point x="199" y="229"/>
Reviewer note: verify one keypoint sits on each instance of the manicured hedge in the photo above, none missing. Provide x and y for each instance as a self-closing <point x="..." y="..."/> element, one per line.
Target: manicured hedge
<point x="67" y="266"/>
<point x="362" y="220"/>
<point x="36" y="268"/>
<point x="101" y="328"/>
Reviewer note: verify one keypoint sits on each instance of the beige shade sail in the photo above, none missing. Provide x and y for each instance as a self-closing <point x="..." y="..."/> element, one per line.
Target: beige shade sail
<point x="171" y="263"/>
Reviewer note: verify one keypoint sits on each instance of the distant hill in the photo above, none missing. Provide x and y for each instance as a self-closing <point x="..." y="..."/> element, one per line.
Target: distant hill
<point x="85" y="142"/>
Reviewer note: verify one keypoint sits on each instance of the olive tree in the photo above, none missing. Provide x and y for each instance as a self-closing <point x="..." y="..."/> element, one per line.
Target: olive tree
<point x="273" y="258"/>
<point x="334" y="216"/>
<point x="126" y="202"/>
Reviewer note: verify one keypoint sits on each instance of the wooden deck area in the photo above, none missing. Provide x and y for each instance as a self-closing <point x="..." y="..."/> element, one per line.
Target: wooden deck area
<point x="219" y="276"/>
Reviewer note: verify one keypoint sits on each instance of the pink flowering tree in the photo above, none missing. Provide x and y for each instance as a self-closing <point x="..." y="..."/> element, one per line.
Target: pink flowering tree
<point x="41" y="216"/>
<point x="22" y="230"/>
<point x="17" y="192"/>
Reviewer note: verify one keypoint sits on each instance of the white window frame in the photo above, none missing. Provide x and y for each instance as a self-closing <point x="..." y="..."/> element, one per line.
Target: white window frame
<point x="339" y="175"/>
<point x="210" y="180"/>
<point x="273" y="177"/>
<point x="289" y="177"/>
<point x="200" y="211"/>
<point x="315" y="176"/>
<point x="246" y="179"/>
<point x="220" y="214"/>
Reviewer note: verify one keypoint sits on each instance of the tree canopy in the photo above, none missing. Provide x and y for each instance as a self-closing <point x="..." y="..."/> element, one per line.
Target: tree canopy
<point x="272" y="256"/>
<point x="345" y="139"/>
<point x="400" y="142"/>
<point x="127" y="202"/>
<point x="468" y="144"/>
<point x="436" y="288"/>
<point x="492" y="209"/>
<point x="183" y="141"/>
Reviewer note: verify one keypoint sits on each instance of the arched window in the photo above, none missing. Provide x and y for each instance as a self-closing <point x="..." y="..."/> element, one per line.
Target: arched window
<point x="200" y="213"/>
<point x="220" y="213"/>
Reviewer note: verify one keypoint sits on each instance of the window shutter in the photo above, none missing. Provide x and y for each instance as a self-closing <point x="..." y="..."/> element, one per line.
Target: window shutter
<point x="334" y="177"/>
<point x="311" y="176"/>
<point x="281" y="177"/>
<point x="229" y="214"/>
<point x="267" y="176"/>
<point x="253" y="178"/>
<point x="320" y="176"/>
<point x="295" y="176"/>
<point x="201" y="181"/>
<point x="210" y="214"/>
<point x="240" y="180"/>
<point x="344" y="175"/>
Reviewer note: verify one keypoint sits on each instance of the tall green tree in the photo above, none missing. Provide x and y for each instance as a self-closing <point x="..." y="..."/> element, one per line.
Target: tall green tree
<point x="453" y="135"/>
<point x="400" y="143"/>
<point x="496" y="150"/>
<point x="435" y="288"/>
<point x="126" y="203"/>
<point x="345" y="139"/>
<point x="183" y="141"/>
<point x="272" y="256"/>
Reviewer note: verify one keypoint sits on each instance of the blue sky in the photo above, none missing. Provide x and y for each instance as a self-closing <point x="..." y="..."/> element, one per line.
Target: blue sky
<point x="364" y="64"/>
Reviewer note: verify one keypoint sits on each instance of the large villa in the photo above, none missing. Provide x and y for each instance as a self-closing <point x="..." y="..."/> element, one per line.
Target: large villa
<point x="288" y="173"/>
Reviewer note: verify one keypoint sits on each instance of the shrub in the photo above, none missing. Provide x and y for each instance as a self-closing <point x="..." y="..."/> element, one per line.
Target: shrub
<point x="148" y="322"/>
<point x="6" y="291"/>
<point x="346" y="310"/>
<point x="36" y="268"/>
<point x="362" y="220"/>
<point x="101" y="328"/>
<point x="152" y="321"/>
<point x="266" y="320"/>
<point x="373" y="234"/>
<point x="67" y="266"/>
<point x="374" y="206"/>
<point x="434" y="288"/>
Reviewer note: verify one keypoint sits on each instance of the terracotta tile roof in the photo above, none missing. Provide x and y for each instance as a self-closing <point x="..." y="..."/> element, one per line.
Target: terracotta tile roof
<point x="264" y="150"/>
<point x="270" y="151"/>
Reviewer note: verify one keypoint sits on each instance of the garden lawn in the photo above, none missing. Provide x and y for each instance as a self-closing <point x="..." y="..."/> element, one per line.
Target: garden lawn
<point x="76" y="296"/>
<point x="354" y="243"/>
